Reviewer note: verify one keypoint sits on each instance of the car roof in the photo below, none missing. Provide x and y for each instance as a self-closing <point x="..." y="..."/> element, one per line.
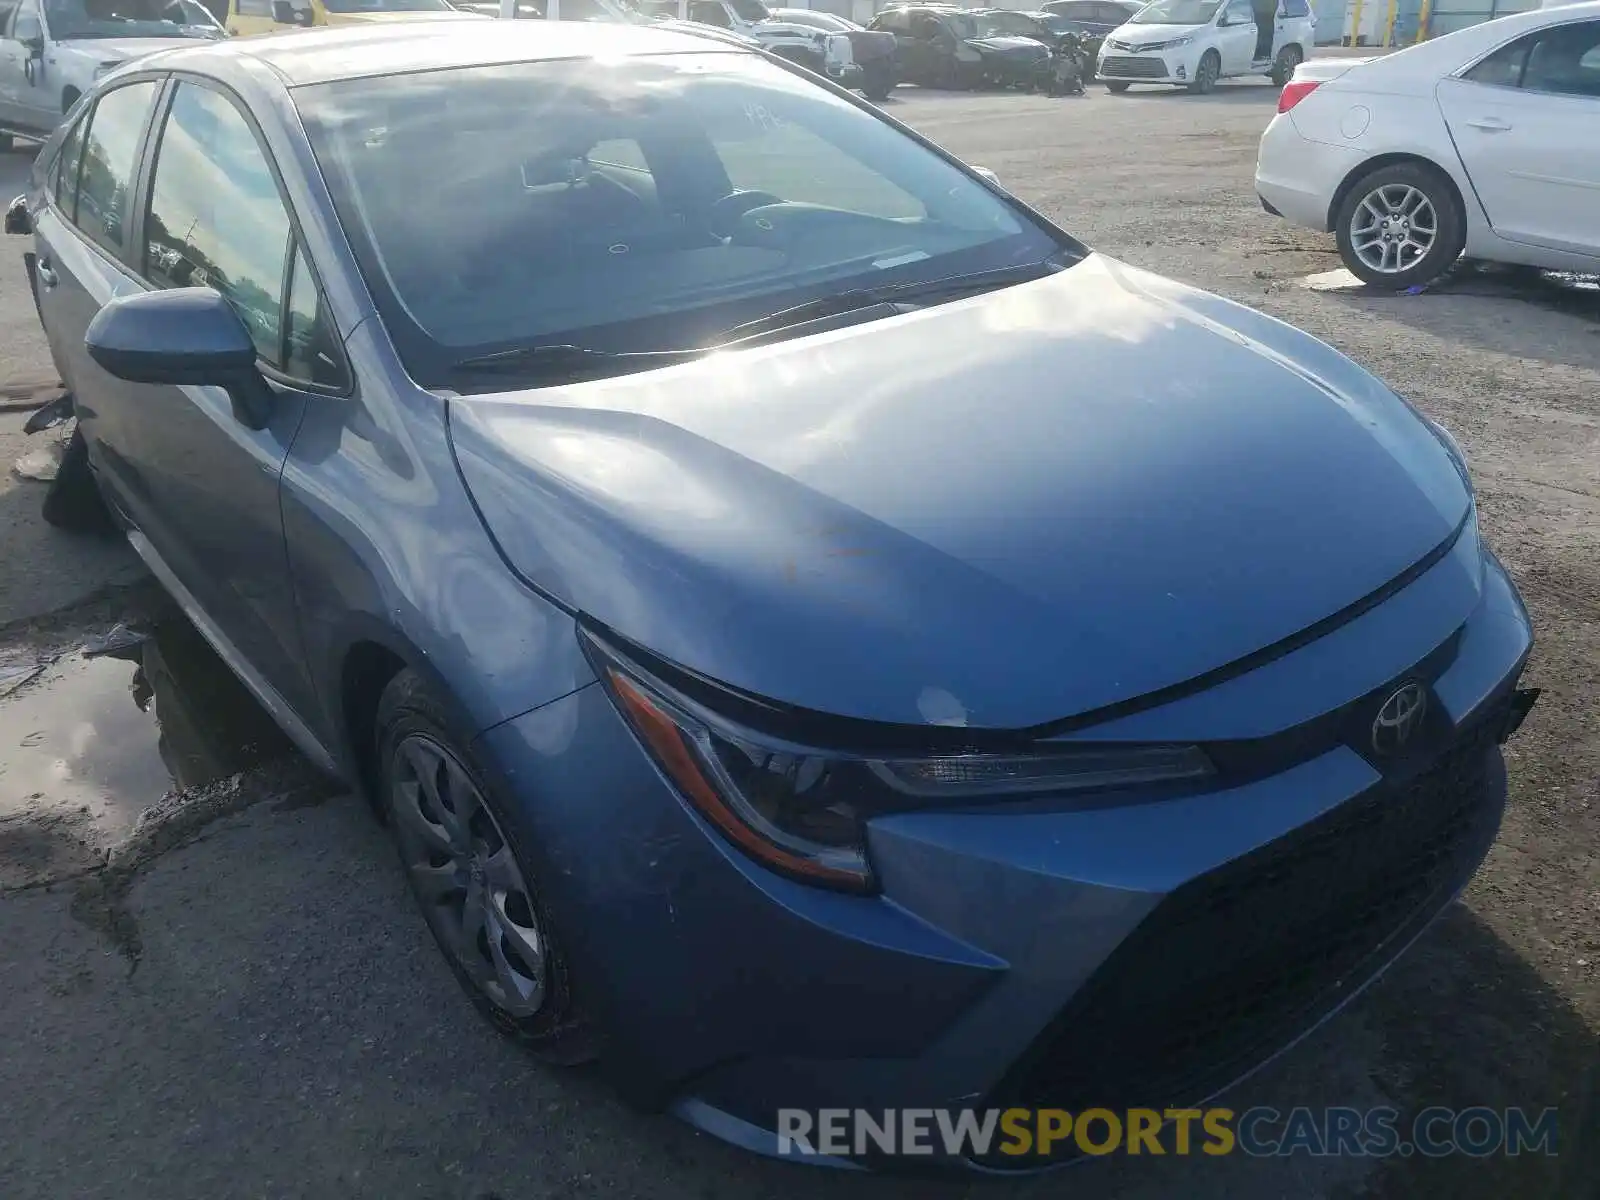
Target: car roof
<point x="328" y="53"/>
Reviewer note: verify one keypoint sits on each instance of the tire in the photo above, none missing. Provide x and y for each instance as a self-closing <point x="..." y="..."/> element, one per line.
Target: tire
<point x="1386" y="188"/>
<point x="878" y="84"/>
<point x="68" y="99"/>
<point x="1283" y="66"/>
<point x="1116" y="87"/>
<point x="73" y="502"/>
<point x="413" y="740"/>
<point x="1206" y="74"/>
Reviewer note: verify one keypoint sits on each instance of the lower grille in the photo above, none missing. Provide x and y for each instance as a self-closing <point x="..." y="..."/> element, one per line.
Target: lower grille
<point x="1122" y="67"/>
<point x="1233" y="965"/>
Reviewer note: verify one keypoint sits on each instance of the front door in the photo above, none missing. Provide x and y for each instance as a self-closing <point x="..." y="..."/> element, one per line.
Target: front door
<point x="1525" y="122"/>
<point x="201" y="487"/>
<point x="1236" y="37"/>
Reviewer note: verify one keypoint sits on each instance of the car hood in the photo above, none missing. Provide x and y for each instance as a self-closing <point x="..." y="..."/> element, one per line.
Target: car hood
<point x="1144" y="35"/>
<point x="1007" y="45"/>
<point x="118" y="50"/>
<point x="997" y="512"/>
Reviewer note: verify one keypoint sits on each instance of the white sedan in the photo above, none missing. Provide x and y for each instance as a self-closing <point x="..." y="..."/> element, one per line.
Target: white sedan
<point x="1485" y="142"/>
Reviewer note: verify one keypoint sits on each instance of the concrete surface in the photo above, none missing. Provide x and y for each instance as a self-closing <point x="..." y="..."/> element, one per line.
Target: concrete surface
<point x="237" y="999"/>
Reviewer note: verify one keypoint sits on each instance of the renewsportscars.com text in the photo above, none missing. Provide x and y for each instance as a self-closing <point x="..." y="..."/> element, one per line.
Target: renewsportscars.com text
<point x="1259" y="1132"/>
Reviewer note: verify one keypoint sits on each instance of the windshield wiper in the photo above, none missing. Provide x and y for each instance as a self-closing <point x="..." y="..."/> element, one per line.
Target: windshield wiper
<point x="912" y="294"/>
<point x="578" y="362"/>
<point x="566" y="359"/>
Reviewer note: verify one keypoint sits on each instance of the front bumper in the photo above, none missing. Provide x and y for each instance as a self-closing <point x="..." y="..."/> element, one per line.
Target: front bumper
<point x="998" y="964"/>
<point x="1121" y="66"/>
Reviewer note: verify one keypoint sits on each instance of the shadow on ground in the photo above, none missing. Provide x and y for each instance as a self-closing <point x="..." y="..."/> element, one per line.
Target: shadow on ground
<point x="1477" y="314"/>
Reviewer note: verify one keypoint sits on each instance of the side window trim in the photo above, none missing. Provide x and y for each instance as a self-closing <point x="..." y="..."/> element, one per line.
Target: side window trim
<point x="146" y="183"/>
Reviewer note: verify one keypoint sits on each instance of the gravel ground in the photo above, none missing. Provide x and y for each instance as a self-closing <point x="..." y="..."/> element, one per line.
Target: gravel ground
<point x="250" y="1008"/>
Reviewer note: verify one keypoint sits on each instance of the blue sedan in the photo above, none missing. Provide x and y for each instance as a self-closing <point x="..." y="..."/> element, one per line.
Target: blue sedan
<point x="820" y="635"/>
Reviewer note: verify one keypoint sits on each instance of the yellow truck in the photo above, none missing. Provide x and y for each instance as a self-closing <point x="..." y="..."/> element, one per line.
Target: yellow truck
<point x="245" y="17"/>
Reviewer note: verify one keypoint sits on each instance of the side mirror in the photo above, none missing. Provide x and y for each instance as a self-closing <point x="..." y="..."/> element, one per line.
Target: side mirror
<point x="987" y="174"/>
<point x="34" y="45"/>
<point x="185" y="336"/>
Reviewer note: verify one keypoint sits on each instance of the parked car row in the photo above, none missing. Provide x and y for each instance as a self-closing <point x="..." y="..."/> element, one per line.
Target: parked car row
<point x="1482" y="143"/>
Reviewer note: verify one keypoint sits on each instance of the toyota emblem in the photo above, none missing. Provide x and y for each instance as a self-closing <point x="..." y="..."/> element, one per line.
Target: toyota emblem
<point x="1399" y="719"/>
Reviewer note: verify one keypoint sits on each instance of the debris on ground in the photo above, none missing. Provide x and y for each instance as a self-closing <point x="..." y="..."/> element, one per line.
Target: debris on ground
<point x="42" y="464"/>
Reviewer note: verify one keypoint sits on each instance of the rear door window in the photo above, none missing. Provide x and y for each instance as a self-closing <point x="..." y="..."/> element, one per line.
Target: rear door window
<point x="1566" y="61"/>
<point x="110" y="150"/>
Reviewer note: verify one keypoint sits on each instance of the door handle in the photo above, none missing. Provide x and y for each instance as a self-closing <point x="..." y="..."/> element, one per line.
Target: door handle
<point x="47" y="274"/>
<point x="1490" y="124"/>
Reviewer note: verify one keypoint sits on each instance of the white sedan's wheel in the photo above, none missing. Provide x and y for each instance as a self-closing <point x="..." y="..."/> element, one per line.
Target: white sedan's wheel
<point x="1400" y="227"/>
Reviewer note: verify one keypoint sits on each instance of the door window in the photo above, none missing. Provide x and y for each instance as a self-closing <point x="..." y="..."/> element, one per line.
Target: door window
<point x="1565" y="61"/>
<point x="1294" y="9"/>
<point x="27" y="25"/>
<point x="1239" y="12"/>
<point x="64" y="179"/>
<point x="110" y="148"/>
<point x="893" y="21"/>
<point x="255" y="8"/>
<point x="217" y="220"/>
<point x="925" y="28"/>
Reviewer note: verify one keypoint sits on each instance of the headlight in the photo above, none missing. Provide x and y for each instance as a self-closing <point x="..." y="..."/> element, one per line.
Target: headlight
<point x="802" y="810"/>
<point x="105" y="68"/>
<point x="1175" y="43"/>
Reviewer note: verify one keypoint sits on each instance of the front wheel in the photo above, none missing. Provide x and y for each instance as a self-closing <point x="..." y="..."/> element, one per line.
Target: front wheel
<point x="1283" y="66"/>
<point x="1206" y="74"/>
<point x="1116" y="87"/>
<point x="457" y="846"/>
<point x="1400" y="227"/>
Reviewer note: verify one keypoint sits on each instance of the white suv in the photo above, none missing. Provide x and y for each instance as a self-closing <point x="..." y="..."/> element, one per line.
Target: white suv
<point x="1194" y="43"/>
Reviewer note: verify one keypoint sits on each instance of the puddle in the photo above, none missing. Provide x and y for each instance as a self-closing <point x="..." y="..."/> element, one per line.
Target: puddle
<point x="1559" y="291"/>
<point x="105" y="731"/>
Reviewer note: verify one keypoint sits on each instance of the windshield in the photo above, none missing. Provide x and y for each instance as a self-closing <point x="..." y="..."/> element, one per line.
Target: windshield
<point x="749" y="10"/>
<point x="643" y="204"/>
<point x="1176" y="12"/>
<point x="70" y="19"/>
<point x="363" y="6"/>
<point x="1057" y="23"/>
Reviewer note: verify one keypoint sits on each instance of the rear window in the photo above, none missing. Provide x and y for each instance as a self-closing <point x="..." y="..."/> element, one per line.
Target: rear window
<point x="644" y="204"/>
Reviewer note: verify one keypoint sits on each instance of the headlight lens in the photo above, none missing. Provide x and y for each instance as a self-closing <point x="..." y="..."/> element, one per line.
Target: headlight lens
<point x="1175" y="43"/>
<point x="802" y="811"/>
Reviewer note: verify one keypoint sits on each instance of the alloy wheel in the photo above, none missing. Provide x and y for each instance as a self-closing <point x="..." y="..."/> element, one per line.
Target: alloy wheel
<point x="1393" y="228"/>
<point x="464" y="873"/>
